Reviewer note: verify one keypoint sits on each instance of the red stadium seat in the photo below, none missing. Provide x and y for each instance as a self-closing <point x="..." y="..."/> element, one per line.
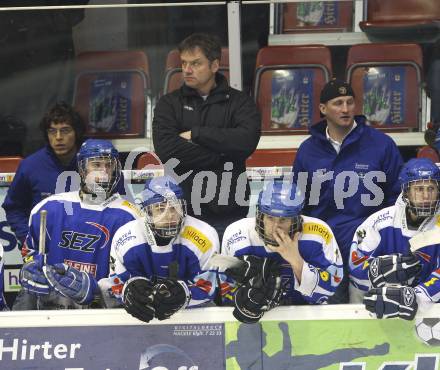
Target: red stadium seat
<point x="173" y="69"/>
<point x="9" y="164"/>
<point x="271" y="157"/>
<point x="428" y="152"/>
<point x="148" y="159"/>
<point x="328" y="16"/>
<point x="386" y="79"/>
<point x="288" y="82"/>
<point x="112" y="93"/>
<point x="405" y="19"/>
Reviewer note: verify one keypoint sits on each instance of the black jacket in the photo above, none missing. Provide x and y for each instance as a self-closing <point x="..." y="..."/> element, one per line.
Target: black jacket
<point x="224" y="128"/>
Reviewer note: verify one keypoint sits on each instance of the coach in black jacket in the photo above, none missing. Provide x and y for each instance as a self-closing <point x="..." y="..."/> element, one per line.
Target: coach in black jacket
<point x="211" y="129"/>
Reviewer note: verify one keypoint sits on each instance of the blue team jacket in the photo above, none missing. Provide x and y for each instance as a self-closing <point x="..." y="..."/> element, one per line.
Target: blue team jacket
<point x="36" y="179"/>
<point x="365" y="149"/>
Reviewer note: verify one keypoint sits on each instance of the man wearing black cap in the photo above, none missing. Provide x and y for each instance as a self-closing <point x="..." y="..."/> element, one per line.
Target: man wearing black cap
<point x="352" y="169"/>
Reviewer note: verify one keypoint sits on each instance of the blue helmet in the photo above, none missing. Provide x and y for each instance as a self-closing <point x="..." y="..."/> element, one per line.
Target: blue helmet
<point x="281" y="200"/>
<point x="421" y="171"/>
<point x="164" y="206"/>
<point x="102" y="182"/>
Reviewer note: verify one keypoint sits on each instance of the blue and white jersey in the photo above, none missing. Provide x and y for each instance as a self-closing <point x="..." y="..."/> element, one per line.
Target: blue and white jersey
<point x="135" y="253"/>
<point x="3" y="305"/>
<point x="387" y="232"/>
<point x="78" y="233"/>
<point x="322" y="270"/>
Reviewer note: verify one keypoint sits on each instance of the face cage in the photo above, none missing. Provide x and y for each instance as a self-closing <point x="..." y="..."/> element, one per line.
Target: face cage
<point x="100" y="187"/>
<point x="259" y="227"/>
<point x="170" y="229"/>
<point x="420" y="211"/>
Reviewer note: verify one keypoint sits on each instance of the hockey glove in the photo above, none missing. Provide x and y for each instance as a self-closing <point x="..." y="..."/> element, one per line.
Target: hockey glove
<point x="393" y="269"/>
<point x="32" y="278"/>
<point x="256" y="297"/>
<point x="137" y="297"/>
<point x="251" y="267"/>
<point x="169" y="297"/>
<point x="391" y="302"/>
<point x="71" y="283"/>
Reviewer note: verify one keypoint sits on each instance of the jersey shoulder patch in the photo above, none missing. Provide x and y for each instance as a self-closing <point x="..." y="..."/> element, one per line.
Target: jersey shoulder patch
<point x="318" y="229"/>
<point x="132" y="207"/>
<point x="197" y="237"/>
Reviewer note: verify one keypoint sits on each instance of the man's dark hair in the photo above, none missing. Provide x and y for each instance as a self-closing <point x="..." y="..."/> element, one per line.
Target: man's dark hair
<point x="62" y="112"/>
<point x="209" y="45"/>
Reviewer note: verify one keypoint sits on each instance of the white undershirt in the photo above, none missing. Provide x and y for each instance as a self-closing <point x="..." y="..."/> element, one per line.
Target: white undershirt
<point x="336" y="144"/>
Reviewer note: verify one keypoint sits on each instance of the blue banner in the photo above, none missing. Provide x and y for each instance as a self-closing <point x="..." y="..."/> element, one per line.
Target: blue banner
<point x="384" y="95"/>
<point x="292" y="98"/>
<point x="110" y="103"/>
<point x="319" y="13"/>
<point x="183" y="347"/>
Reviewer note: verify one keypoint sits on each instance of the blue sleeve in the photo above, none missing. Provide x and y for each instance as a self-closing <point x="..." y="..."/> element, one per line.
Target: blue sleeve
<point x="18" y="204"/>
<point x="3" y="305"/>
<point x="30" y="246"/>
<point x="392" y="164"/>
<point x="297" y="164"/>
<point x="203" y="288"/>
<point x="322" y="269"/>
<point x="430" y="287"/>
<point x="367" y="244"/>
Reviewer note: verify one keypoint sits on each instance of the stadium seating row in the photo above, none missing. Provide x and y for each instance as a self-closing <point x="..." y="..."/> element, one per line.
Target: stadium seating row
<point x="112" y="88"/>
<point x="384" y="18"/>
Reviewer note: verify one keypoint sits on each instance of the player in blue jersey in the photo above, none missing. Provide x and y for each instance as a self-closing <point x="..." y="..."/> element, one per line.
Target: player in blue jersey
<point x="395" y="254"/>
<point x="78" y="236"/>
<point x="163" y="257"/>
<point x="302" y="250"/>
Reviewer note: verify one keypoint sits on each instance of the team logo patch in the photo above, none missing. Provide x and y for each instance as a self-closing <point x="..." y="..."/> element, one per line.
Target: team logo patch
<point x="374" y="267"/>
<point x="430" y="282"/>
<point x="408" y="296"/>
<point x="90" y="268"/>
<point x="342" y="90"/>
<point x="318" y="229"/>
<point x="198" y="238"/>
<point x="324" y="275"/>
<point x="361" y="234"/>
<point x="104" y="230"/>
<point x="356" y="259"/>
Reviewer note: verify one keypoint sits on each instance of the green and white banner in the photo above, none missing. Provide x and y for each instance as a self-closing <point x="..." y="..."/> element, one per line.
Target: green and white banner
<point x="333" y="345"/>
<point x="338" y="337"/>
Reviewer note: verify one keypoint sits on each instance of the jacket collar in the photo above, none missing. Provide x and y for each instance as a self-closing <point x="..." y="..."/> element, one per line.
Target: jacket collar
<point x="221" y="83"/>
<point x="51" y="153"/>
<point x="319" y="130"/>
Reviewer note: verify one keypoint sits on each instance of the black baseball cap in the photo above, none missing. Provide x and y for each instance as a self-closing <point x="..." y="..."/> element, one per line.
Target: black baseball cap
<point x="334" y="89"/>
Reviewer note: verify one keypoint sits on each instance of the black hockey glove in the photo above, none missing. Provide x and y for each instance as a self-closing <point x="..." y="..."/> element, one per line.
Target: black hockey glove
<point x="169" y="297"/>
<point x="256" y="297"/>
<point x="393" y="269"/>
<point x="391" y="302"/>
<point x="251" y="267"/>
<point x="137" y="296"/>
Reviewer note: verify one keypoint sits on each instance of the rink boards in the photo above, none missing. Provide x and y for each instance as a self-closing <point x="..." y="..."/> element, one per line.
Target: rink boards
<point x="341" y="337"/>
